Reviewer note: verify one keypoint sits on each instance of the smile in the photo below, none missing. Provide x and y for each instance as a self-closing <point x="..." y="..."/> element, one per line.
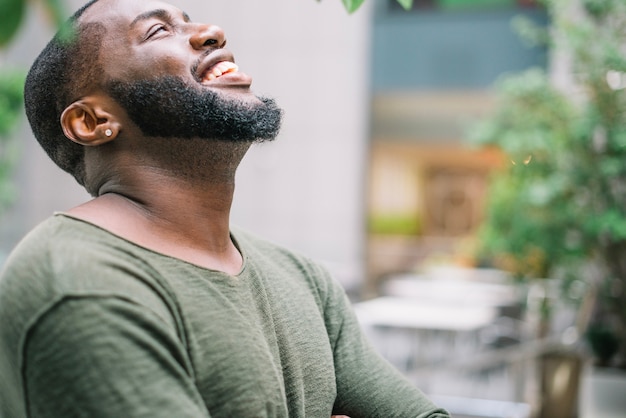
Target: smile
<point x="218" y="70"/>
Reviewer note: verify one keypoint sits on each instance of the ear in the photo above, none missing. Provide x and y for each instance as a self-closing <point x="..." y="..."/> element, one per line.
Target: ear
<point x="88" y="122"/>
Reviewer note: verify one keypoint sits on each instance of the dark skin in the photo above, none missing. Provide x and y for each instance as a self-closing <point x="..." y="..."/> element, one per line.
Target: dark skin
<point x="170" y="195"/>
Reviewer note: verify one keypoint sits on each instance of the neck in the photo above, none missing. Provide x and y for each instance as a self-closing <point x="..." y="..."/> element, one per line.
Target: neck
<point x="177" y="203"/>
<point x="197" y="211"/>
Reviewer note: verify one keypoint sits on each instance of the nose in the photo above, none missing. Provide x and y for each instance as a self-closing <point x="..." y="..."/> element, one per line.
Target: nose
<point x="208" y="36"/>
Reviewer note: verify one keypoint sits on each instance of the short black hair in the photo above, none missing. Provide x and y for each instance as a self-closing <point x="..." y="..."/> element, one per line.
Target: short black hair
<point x="59" y="75"/>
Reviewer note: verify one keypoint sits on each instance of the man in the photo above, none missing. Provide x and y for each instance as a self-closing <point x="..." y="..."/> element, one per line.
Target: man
<point x="145" y="302"/>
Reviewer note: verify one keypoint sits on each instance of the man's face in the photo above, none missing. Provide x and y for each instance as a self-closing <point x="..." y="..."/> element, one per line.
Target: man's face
<point x="174" y="77"/>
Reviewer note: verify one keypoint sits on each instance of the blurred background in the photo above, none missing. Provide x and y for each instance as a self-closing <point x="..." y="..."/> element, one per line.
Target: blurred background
<point x="457" y="165"/>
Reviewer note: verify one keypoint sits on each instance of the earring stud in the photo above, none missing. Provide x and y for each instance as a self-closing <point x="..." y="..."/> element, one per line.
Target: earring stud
<point x="108" y="132"/>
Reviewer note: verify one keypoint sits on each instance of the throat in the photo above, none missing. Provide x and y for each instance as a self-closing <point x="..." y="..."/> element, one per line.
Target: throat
<point x="202" y="241"/>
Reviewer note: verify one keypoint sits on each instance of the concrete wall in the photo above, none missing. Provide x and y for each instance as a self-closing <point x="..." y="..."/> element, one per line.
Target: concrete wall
<point x="306" y="189"/>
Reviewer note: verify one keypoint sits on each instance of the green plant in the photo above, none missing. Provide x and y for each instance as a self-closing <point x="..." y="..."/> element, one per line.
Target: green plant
<point x="396" y="224"/>
<point x="11" y="87"/>
<point x="559" y="209"/>
<point x="13" y="12"/>
<point x="11" y="83"/>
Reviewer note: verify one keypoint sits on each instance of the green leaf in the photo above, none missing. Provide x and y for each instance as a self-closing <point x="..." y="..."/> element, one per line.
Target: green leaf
<point x="352" y="5"/>
<point x="12" y="13"/>
<point x="598" y="8"/>
<point x="407" y="4"/>
<point x="611" y="166"/>
<point x="611" y="222"/>
<point x="11" y="87"/>
<point x="467" y="4"/>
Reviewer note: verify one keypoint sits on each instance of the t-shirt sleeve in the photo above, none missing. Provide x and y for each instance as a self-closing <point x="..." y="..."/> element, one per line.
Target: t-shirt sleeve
<point x="107" y="357"/>
<point x="367" y="385"/>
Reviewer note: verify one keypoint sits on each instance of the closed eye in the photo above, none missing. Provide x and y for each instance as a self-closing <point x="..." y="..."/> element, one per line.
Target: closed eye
<point x="156" y="29"/>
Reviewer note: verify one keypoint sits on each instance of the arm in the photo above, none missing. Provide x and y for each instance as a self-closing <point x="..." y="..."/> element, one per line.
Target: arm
<point x="107" y="357"/>
<point x="367" y="385"/>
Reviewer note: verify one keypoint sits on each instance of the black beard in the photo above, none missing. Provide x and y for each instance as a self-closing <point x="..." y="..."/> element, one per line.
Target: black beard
<point x="169" y="107"/>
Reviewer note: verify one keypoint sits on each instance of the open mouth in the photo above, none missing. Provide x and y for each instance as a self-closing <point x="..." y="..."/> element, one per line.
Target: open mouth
<point x="218" y="70"/>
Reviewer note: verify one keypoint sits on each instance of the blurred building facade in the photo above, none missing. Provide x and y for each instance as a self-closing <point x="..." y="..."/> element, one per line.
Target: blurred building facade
<point x="433" y="69"/>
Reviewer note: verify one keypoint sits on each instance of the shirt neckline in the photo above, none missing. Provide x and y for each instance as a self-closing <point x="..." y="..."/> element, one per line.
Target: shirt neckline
<point x="161" y="254"/>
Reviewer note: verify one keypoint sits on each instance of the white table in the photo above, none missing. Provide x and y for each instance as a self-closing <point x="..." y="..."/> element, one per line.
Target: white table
<point x="404" y="312"/>
<point x="452" y="292"/>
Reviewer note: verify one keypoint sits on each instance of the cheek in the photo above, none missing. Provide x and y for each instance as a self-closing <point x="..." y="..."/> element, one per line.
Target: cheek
<point x="164" y="64"/>
<point x="146" y="62"/>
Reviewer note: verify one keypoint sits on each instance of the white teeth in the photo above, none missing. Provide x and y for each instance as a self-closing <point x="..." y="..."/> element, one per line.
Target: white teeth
<point x="219" y="69"/>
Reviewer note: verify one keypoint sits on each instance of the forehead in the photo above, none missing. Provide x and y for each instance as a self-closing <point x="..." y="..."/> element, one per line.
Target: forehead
<point x="118" y="15"/>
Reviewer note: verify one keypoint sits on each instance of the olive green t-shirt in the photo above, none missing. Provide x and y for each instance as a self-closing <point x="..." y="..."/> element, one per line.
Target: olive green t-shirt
<point x="92" y="325"/>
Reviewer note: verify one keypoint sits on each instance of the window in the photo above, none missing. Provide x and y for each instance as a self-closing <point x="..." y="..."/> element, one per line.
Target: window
<point x="420" y="6"/>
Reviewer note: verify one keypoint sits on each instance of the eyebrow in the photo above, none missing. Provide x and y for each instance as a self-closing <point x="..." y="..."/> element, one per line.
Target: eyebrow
<point x="158" y="13"/>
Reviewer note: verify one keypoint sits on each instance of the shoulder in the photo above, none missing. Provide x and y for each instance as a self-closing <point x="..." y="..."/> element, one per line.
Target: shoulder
<point x="286" y="264"/>
<point x="57" y="238"/>
<point x="37" y="254"/>
<point x="66" y="254"/>
<point x="260" y="250"/>
<point x="63" y="258"/>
